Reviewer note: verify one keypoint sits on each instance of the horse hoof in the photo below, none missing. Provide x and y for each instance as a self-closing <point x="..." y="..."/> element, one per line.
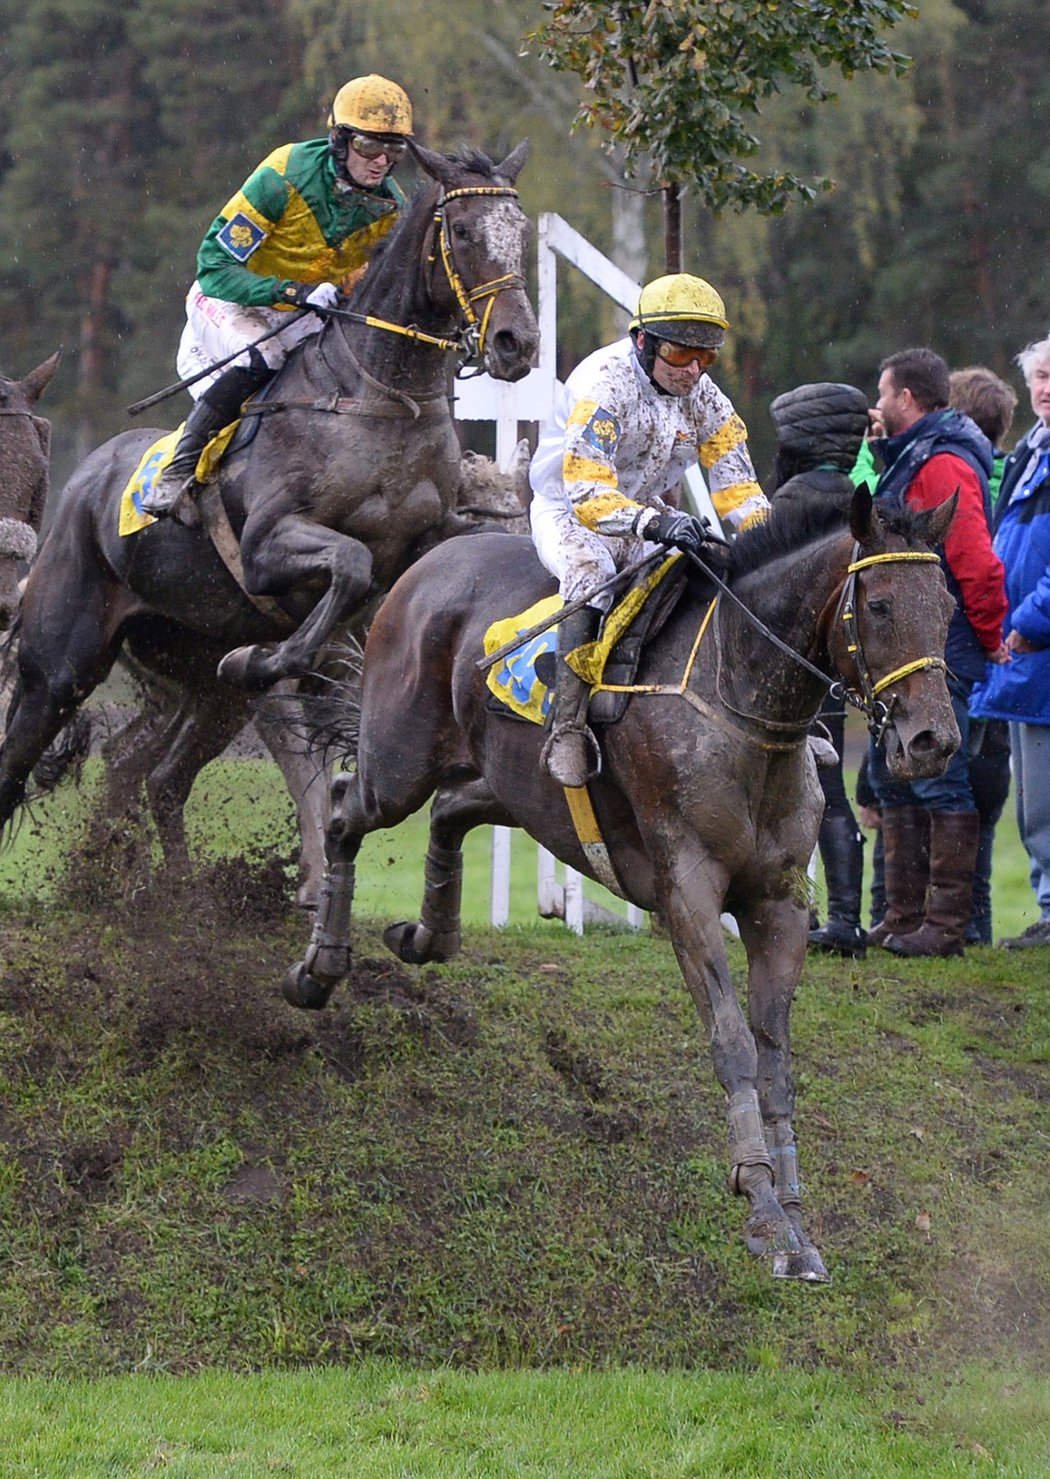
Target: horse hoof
<point x="802" y="1263"/>
<point x="401" y="939"/>
<point x="303" y="990"/>
<point x="244" y="668"/>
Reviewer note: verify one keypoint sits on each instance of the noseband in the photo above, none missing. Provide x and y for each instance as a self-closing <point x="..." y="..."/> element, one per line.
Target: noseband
<point x="471" y="342"/>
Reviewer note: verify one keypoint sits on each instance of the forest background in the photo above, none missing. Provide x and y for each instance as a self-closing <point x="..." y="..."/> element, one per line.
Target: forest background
<point x="126" y="124"/>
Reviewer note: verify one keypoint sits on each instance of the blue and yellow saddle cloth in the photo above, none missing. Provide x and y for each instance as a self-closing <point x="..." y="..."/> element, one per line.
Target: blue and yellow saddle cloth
<point x="514" y="680"/>
<point x="153" y="462"/>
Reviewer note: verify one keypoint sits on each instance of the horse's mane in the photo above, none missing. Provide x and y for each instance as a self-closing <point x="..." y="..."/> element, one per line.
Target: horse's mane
<point x="799" y="522"/>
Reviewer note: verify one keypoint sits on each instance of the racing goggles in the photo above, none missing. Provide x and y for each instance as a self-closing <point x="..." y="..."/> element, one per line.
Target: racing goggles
<point x="680" y="355"/>
<point x="369" y="146"/>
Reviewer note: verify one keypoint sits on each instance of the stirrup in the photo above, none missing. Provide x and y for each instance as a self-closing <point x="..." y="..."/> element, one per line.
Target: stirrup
<point x="574" y="766"/>
<point x="161" y="500"/>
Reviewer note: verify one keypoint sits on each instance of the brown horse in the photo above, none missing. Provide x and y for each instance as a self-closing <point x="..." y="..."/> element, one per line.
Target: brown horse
<point x="355" y="469"/>
<point x="707" y="799"/>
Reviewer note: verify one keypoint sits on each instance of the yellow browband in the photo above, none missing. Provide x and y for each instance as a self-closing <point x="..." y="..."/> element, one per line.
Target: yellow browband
<point x="890" y="560"/>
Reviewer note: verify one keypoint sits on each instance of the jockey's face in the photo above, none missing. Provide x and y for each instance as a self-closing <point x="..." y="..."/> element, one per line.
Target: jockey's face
<point x="369" y="163"/>
<point x="676" y="379"/>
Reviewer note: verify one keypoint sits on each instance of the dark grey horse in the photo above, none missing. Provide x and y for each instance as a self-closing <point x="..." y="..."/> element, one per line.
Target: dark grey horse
<point x="707" y="799"/>
<point x="354" y="470"/>
<point x="25" y="450"/>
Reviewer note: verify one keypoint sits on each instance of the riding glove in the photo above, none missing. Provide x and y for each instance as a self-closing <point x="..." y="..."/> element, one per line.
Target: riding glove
<point x="312" y="294"/>
<point x="682" y="531"/>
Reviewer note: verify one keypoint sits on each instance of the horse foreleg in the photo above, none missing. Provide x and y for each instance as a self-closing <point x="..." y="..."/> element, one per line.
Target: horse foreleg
<point x="774" y="935"/>
<point x="692" y="908"/>
<point x="456" y="810"/>
<point x="288" y="556"/>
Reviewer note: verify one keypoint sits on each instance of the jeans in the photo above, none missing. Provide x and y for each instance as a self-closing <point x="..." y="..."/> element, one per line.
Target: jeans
<point x="948" y="792"/>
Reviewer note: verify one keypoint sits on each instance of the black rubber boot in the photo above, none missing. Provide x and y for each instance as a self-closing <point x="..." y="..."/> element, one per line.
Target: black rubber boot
<point x="571" y="755"/>
<point x="842" y="853"/>
<point x="218" y="407"/>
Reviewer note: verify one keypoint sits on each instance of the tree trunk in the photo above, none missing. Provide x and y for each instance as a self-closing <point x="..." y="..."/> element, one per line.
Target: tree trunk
<point x="672" y="228"/>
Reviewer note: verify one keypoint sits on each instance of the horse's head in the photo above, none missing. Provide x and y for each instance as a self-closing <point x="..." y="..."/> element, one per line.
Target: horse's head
<point x="890" y="650"/>
<point x="25" y="445"/>
<point x="483" y="237"/>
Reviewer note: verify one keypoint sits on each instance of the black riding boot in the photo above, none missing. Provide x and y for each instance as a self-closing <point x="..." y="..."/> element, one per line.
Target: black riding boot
<point x="218" y="407"/>
<point x="571" y="755"/>
<point x="842" y="853"/>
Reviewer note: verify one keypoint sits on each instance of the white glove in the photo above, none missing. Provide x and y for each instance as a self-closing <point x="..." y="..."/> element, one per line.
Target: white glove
<point x="315" y="295"/>
<point x="324" y="295"/>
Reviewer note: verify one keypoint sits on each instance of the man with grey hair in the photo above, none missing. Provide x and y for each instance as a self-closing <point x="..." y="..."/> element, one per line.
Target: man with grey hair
<point x="1019" y="691"/>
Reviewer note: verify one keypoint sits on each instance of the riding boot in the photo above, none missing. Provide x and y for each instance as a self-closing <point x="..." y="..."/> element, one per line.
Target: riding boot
<point x="218" y="407"/>
<point x="906" y="867"/>
<point x="954" y="836"/>
<point x="571" y="755"/>
<point x="842" y="853"/>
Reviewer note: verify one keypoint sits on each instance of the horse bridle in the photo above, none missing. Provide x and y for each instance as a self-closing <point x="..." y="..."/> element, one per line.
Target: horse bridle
<point x="472" y="337"/>
<point x="878" y="714"/>
<point x="865" y="697"/>
<point x="469" y="342"/>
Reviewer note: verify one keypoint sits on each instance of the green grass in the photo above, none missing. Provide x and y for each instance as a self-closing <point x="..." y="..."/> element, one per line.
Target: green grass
<point x="381" y="1422"/>
<point x="473" y="1219"/>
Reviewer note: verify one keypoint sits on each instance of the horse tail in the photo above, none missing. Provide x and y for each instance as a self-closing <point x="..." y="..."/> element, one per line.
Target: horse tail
<point x="64" y="756"/>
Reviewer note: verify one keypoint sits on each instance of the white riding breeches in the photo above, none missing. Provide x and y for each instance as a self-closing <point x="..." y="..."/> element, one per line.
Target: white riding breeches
<point x="580" y="559"/>
<point x="215" y="329"/>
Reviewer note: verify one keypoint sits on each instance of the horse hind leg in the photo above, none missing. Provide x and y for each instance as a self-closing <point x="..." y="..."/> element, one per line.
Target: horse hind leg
<point x="457" y="809"/>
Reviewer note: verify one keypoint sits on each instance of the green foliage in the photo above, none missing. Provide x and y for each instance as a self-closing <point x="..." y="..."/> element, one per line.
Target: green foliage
<point x="676" y="82"/>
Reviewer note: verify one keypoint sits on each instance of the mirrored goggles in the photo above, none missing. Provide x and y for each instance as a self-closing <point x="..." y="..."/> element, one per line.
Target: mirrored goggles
<point x="680" y="355"/>
<point x="370" y="147"/>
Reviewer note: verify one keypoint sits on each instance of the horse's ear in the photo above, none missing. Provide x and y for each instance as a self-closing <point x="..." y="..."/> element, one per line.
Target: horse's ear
<point x="438" y="166"/>
<point x="861" y="513"/>
<point x="933" y="525"/>
<point x="512" y="165"/>
<point x="37" y="381"/>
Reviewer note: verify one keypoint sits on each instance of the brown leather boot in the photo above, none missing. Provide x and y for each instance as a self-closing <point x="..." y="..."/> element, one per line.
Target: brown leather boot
<point x="906" y="855"/>
<point x="954" y="836"/>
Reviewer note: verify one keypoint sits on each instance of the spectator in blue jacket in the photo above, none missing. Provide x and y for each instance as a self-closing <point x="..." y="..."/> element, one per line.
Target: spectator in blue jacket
<point x="1019" y="691"/>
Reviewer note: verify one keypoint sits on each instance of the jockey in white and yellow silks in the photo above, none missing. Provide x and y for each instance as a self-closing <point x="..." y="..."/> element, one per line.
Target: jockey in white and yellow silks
<point x="628" y="423"/>
<point x="298" y="233"/>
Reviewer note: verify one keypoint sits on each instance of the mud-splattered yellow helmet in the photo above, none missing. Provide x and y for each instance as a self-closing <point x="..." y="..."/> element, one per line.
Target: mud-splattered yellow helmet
<point x="684" y="309"/>
<point x="374" y="105"/>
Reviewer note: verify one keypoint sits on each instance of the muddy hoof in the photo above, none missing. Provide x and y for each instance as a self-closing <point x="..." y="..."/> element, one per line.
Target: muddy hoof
<point x="408" y="942"/>
<point x="303" y="990"/>
<point x="802" y="1263"/>
<point x="244" y="667"/>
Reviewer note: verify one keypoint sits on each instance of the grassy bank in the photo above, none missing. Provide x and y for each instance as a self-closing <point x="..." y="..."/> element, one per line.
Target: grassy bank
<point x="485" y="1188"/>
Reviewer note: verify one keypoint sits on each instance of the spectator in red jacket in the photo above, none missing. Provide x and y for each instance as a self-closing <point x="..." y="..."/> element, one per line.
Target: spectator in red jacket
<point x="930" y="828"/>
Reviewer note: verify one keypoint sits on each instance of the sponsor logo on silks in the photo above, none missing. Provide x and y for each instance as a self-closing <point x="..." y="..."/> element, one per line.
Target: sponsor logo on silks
<point x="602" y="432"/>
<point x="240" y="236"/>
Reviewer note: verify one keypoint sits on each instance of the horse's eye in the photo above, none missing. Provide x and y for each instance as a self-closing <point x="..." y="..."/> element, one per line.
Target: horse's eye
<point x="880" y="607"/>
<point x="460" y="232"/>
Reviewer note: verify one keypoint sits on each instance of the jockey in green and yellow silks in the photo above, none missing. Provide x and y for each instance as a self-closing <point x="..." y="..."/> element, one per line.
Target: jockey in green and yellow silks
<point x="296" y="235"/>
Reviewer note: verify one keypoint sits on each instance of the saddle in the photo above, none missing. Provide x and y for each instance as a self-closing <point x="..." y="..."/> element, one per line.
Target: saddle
<point x="520" y="687"/>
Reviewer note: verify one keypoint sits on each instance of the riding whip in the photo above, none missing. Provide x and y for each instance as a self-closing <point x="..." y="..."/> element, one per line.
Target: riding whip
<point x="170" y="390"/>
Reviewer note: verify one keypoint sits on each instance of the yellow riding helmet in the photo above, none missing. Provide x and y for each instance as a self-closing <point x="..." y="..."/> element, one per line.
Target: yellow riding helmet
<point x="684" y="309"/>
<point x="374" y="105"/>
